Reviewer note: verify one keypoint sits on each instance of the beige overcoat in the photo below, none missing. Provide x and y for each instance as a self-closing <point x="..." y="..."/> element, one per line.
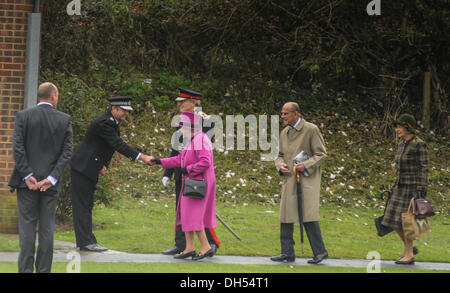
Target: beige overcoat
<point x="305" y="137"/>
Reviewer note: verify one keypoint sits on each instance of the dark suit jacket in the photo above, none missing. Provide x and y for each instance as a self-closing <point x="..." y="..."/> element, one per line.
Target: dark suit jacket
<point x="101" y="140"/>
<point x="42" y="144"/>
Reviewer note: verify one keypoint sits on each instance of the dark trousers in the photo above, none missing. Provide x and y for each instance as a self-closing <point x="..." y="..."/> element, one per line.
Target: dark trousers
<point x="36" y="207"/>
<point x="82" y="194"/>
<point x="180" y="238"/>
<point x="313" y="233"/>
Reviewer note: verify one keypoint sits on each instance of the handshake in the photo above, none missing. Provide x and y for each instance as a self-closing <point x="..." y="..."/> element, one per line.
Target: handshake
<point x="42" y="185"/>
<point x="150" y="160"/>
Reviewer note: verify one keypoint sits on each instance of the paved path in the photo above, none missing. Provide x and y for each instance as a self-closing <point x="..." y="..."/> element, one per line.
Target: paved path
<point x="62" y="250"/>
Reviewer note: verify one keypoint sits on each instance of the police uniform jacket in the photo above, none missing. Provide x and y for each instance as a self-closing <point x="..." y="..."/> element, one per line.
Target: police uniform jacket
<point x="96" y="149"/>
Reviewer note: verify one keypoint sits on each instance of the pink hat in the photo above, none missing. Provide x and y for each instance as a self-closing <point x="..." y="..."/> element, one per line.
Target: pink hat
<point x="190" y="120"/>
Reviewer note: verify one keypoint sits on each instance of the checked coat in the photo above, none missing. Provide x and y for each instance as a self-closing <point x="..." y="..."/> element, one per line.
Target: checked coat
<point x="411" y="162"/>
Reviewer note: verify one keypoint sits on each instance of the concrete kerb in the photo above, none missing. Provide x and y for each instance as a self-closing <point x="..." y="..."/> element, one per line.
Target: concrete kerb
<point x="63" y="248"/>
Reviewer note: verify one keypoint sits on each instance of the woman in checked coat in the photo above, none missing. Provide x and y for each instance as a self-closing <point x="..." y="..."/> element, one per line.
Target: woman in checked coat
<point x="411" y="162"/>
<point x="196" y="161"/>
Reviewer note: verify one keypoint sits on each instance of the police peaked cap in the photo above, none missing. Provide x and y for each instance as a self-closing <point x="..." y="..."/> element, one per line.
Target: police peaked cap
<point x="187" y="94"/>
<point x="122" y="102"/>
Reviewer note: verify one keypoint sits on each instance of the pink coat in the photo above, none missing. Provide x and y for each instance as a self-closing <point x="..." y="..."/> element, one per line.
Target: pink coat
<point x="196" y="214"/>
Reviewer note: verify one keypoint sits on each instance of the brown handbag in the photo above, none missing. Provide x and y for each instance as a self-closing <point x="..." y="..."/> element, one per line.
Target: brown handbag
<point x="414" y="227"/>
<point x="423" y="208"/>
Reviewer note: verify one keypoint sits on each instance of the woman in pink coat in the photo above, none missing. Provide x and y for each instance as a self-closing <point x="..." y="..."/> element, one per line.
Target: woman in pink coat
<point x="196" y="161"/>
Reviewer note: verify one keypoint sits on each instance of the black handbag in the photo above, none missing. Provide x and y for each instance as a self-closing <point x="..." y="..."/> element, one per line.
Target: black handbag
<point x="382" y="229"/>
<point x="194" y="188"/>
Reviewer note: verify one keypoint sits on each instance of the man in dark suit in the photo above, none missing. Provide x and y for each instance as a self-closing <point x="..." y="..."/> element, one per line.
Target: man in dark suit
<point x="91" y="159"/>
<point x="187" y="101"/>
<point x="42" y="148"/>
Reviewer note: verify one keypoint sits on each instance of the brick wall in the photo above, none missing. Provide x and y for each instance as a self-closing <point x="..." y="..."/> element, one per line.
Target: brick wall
<point x="13" y="35"/>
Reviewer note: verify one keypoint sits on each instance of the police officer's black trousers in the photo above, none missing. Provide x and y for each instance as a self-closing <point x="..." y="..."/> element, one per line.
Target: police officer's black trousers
<point x="82" y="192"/>
<point x="312" y="231"/>
<point x="36" y="207"/>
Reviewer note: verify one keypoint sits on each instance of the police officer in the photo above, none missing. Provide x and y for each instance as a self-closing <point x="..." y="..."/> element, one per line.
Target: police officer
<point x="91" y="159"/>
<point x="187" y="101"/>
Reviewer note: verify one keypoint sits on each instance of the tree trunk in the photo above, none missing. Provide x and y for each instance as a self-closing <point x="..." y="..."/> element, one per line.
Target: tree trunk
<point x="426" y="100"/>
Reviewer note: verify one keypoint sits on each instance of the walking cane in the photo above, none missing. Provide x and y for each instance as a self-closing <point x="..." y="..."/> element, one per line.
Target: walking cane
<point x="228" y="227"/>
<point x="300" y="204"/>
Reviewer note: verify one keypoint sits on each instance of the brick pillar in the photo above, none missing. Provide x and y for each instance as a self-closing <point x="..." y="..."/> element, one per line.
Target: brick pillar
<point x="13" y="36"/>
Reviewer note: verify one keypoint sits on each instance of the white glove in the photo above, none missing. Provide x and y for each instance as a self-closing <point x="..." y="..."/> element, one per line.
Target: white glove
<point x="165" y="180"/>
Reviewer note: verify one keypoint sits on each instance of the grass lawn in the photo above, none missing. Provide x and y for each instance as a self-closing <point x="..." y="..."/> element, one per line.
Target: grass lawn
<point x="147" y="226"/>
<point x="138" y="225"/>
<point x="8" y="244"/>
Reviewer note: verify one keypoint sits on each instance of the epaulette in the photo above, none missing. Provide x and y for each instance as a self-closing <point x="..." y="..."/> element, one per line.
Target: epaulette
<point x="203" y="114"/>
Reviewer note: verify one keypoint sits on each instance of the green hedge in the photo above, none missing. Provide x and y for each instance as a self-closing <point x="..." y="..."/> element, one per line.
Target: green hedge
<point x="261" y="50"/>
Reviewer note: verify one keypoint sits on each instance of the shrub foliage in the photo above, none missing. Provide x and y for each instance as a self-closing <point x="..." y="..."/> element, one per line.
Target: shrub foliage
<point x="260" y="48"/>
<point x="246" y="57"/>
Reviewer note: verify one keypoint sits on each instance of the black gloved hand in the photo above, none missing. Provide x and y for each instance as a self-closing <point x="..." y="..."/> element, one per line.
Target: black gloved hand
<point x="420" y="194"/>
<point x="184" y="170"/>
<point x="156" y="161"/>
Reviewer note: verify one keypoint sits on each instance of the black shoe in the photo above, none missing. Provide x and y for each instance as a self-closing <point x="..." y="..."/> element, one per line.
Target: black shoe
<point x="174" y="250"/>
<point x="318" y="258"/>
<point x="283" y="258"/>
<point x="415" y="251"/>
<point x="406" y="262"/>
<point x="185" y="255"/>
<point x="93" y="248"/>
<point x="199" y="256"/>
<point x="214" y="249"/>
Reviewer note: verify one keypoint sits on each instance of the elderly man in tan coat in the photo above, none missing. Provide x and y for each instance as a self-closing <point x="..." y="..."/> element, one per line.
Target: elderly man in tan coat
<point x="300" y="135"/>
